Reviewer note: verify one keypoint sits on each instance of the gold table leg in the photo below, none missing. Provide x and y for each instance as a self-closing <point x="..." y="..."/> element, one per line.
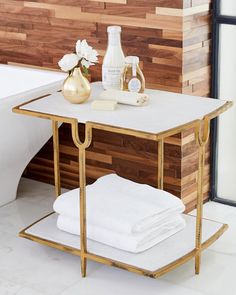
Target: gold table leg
<point x="160" y="175"/>
<point x="83" y="232"/>
<point x="82" y="184"/>
<point x="56" y="156"/>
<point x="202" y="135"/>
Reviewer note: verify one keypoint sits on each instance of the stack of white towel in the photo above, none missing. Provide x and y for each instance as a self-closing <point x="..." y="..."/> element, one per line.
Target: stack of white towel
<point x="123" y="214"/>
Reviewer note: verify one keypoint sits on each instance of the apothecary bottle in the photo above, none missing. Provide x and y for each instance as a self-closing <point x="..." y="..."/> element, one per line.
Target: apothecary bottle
<point x="132" y="78"/>
<point x="114" y="59"/>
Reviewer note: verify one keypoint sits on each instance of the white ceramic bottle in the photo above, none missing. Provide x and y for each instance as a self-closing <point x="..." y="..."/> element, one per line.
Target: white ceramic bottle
<point x="114" y="60"/>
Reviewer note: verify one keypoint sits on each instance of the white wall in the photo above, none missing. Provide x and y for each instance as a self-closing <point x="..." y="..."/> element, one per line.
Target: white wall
<point x="227" y="122"/>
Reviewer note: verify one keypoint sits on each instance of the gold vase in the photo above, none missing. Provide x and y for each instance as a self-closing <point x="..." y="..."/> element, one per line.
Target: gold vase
<point x="76" y="88"/>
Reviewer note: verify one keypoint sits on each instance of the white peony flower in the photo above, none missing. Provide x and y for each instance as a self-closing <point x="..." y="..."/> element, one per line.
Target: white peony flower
<point x="92" y="55"/>
<point x="68" y="62"/>
<point x="86" y="53"/>
<point x="86" y="63"/>
<point x="82" y="48"/>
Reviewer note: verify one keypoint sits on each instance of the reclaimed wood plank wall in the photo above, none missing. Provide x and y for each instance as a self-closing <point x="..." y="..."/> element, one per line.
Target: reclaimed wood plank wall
<point x="172" y="39"/>
<point x="196" y="79"/>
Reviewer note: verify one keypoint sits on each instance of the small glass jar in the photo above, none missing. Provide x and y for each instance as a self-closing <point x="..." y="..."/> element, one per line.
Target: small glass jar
<point x="132" y="78"/>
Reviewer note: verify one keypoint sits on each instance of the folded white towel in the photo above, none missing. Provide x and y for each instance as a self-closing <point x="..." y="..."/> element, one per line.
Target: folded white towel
<point x="121" y="205"/>
<point x="134" y="243"/>
<point x="125" y="97"/>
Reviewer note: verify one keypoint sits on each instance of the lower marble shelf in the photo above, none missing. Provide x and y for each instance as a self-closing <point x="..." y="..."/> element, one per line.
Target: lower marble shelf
<point x="154" y="262"/>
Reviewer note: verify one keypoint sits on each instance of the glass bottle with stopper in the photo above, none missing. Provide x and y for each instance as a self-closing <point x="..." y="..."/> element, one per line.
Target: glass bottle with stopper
<point x="114" y="60"/>
<point x="132" y="78"/>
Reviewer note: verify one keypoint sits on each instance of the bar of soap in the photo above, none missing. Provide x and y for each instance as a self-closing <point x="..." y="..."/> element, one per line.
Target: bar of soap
<point x="104" y="105"/>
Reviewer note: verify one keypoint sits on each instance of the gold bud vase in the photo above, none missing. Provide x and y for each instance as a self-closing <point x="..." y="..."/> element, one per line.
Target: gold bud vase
<point x="76" y="88"/>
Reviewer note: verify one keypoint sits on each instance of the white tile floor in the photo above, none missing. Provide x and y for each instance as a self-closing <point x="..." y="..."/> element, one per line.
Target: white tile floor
<point x="27" y="268"/>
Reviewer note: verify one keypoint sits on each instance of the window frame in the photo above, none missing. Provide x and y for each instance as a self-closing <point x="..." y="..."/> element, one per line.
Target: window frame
<point x="217" y="20"/>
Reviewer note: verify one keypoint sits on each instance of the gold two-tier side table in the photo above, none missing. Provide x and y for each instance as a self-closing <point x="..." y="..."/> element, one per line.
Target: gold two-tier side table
<point x="165" y="115"/>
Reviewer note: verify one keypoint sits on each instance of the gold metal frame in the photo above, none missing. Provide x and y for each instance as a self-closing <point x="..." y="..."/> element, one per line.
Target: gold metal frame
<point x="202" y="130"/>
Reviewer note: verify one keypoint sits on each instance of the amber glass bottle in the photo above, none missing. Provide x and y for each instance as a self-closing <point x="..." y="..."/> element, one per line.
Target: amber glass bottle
<point x="132" y="78"/>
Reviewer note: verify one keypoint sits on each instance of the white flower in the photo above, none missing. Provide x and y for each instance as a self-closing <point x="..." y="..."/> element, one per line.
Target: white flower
<point x="92" y="55"/>
<point x="68" y="62"/>
<point x="86" y="53"/>
<point x="86" y="63"/>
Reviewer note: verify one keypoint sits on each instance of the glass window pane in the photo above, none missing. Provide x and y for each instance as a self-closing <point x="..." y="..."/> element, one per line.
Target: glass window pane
<point x="227" y="122"/>
<point x="228" y="7"/>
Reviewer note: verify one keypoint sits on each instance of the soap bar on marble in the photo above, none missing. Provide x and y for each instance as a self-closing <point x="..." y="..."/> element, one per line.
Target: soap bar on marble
<point x="104" y="105"/>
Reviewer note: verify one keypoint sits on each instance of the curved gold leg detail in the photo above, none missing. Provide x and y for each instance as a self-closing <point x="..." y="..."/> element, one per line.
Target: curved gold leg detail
<point x="82" y="183"/>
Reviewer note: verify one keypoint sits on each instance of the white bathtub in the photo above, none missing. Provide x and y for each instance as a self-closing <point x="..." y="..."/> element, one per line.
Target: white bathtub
<point x="21" y="137"/>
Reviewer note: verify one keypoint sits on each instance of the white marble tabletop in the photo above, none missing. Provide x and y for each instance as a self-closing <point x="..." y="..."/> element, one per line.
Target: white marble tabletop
<point x="164" y="111"/>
